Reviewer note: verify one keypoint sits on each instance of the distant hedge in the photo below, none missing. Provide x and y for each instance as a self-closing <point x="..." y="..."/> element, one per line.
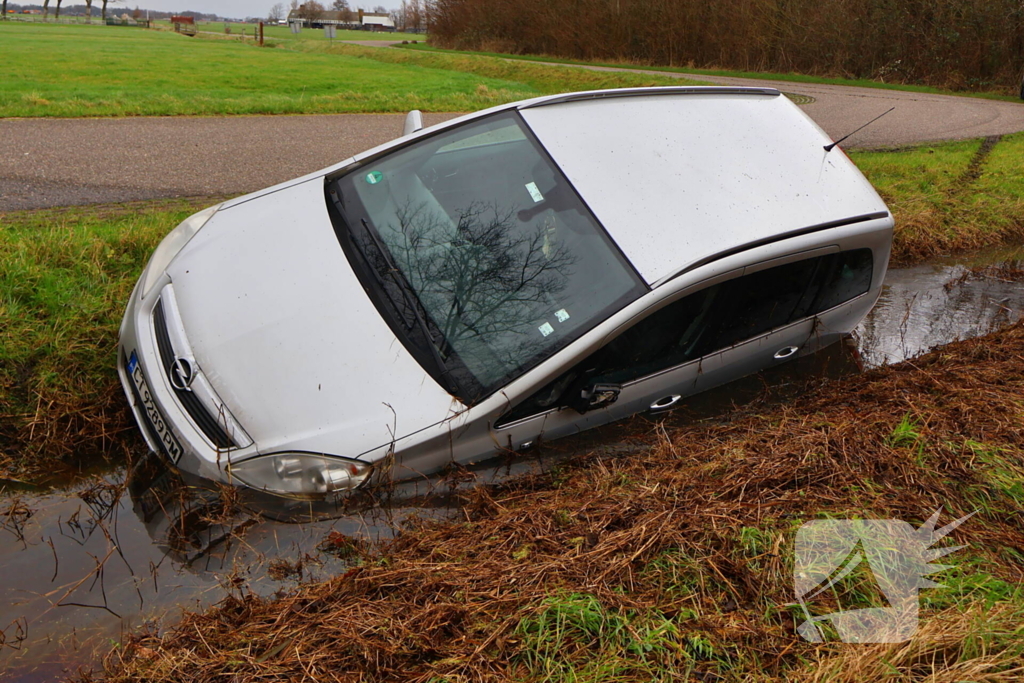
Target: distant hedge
<point x="958" y="44"/>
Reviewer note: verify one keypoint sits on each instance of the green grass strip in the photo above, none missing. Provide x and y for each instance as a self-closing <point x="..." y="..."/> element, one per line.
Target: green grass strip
<point x="66" y="279"/>
<point x="115" y="71"/>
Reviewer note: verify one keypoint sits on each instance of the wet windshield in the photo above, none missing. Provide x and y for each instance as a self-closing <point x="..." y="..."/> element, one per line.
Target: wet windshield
<point x="505" y="261"/>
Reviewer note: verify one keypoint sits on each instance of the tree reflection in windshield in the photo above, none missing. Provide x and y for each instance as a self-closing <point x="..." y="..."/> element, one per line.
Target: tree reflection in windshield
<point x="487" y="283"/>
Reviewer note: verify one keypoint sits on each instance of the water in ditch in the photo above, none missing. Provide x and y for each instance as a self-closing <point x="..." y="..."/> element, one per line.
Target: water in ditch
<point x="83" y="564"/>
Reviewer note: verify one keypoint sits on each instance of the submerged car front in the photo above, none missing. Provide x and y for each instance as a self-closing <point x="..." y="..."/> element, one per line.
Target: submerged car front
<point x="251" y="354"/>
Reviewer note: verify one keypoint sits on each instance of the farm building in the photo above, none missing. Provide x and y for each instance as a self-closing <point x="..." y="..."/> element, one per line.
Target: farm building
<point x="359" y="20"/>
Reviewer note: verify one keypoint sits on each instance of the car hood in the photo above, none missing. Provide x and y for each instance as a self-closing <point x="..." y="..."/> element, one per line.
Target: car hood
<point x="286" y="335"/>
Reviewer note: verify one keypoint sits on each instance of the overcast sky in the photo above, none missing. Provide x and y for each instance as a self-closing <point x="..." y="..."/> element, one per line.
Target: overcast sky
<point x="239" y="8"/>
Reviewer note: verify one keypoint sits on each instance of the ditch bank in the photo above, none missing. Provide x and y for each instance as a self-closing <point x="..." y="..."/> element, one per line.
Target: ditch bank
<point x="645" y="543"/>
<point x="674" y="560"/>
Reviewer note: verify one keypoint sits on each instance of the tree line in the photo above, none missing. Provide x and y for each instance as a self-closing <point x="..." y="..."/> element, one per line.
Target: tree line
<point x="77" y="10"/>
<point x="958" y="44"/>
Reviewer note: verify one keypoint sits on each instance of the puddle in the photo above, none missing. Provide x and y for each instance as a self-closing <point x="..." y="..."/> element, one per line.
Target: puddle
<point x="84" y="564"/>
<point x="930" y="305"/>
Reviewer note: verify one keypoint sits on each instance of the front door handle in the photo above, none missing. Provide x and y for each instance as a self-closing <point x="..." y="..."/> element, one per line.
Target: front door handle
<point x="665" y="403"/>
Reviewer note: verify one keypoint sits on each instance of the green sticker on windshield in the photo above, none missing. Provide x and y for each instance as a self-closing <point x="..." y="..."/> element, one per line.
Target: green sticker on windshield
<point x="374" y="177"/>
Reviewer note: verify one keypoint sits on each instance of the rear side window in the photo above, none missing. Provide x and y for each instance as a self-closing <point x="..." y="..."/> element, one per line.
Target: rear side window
<point x="714" y="319"/>
<point x="847" y="277"/>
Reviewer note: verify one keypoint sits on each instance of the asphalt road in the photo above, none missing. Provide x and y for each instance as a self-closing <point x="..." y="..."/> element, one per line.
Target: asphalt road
<point x="61" y="162"/>
<point x="917" y="118"/>
<point x="58" y="162"/>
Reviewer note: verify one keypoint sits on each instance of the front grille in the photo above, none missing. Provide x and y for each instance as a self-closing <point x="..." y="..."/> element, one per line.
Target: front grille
<point x="206" y="422"/>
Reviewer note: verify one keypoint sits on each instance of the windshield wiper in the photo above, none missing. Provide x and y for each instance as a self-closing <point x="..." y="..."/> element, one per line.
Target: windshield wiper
<point x="411" y="301"/>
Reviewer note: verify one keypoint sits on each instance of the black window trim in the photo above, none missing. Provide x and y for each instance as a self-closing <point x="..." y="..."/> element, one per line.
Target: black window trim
<point x="778" y="237"/>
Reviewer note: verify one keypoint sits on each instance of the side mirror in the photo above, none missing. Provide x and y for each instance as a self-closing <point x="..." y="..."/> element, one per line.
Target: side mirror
<point x="595" y="396"/>
<point x="413" y="122"/>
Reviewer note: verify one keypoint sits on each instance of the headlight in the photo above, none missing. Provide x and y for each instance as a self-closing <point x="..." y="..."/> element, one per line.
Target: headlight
<point x="301" y="474"/>
<point x="172" y="244"/>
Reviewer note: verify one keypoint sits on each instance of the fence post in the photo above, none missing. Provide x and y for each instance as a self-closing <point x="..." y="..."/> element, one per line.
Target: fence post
<point x="261" y="34"/>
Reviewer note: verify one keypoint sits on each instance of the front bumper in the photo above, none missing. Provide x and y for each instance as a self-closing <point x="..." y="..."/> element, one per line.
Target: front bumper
<point x="186" y="427"/>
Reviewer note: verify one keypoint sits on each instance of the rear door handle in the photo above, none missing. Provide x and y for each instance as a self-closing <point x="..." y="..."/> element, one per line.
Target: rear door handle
<point x="785" y="352"/>
<point x="665" y="403"/>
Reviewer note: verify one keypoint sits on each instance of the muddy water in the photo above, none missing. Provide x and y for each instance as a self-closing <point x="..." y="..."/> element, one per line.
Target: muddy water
<point x="927" y="306"/>
<point x="83" y="564"/>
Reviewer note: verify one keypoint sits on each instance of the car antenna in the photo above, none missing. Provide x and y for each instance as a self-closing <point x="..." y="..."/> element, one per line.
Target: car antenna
<point x="828" y="148"/>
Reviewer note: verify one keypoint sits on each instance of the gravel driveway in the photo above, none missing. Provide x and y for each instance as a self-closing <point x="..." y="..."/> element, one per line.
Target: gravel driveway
<point x="57" y="162"/>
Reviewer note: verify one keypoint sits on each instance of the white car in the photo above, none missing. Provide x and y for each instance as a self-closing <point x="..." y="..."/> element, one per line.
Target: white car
<point x="517" y="274"/>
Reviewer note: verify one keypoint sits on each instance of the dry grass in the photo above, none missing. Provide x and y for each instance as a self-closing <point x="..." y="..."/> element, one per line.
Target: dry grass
<point x="670" y="563"/>
<point x="948" y="648"/>
<point x="66" y="277"/>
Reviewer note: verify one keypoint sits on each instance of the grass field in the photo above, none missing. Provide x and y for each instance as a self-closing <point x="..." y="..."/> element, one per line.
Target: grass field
<point x="114" y="71"/>
<point x="66" y="276"/>
<point x="792" y="77"/>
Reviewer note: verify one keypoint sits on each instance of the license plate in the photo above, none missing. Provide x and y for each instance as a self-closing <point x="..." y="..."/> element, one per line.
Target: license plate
<point x="167" y="440"/>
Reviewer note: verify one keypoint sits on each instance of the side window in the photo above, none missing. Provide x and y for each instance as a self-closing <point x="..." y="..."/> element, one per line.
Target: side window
<point x="751" y="305"/>
<point x="710" y="320"/>
<point x="848" y="276"/>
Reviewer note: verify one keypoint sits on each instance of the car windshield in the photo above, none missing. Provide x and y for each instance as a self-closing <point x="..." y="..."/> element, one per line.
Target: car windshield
<point x="505" y="262"/>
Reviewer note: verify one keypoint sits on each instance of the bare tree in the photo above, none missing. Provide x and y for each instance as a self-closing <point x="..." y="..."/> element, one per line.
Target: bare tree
<point x="480" y="280"/>
<point x="276" y="12"/>
<point x="311" y="11"/>
<point x="88" y="11"/>
<point x="103" y="11"/>
<point x="56" y="14"/>
<point x="412" y="14"/>
<point x="46" y="9"/>
<point x="346" y="13"/>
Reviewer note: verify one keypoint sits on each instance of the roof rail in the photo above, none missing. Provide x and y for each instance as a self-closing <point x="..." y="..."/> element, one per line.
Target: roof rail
<point x="638" y="92"/>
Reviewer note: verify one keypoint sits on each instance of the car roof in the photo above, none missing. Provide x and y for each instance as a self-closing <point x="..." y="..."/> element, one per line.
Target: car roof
<point x="677" y="175"/>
